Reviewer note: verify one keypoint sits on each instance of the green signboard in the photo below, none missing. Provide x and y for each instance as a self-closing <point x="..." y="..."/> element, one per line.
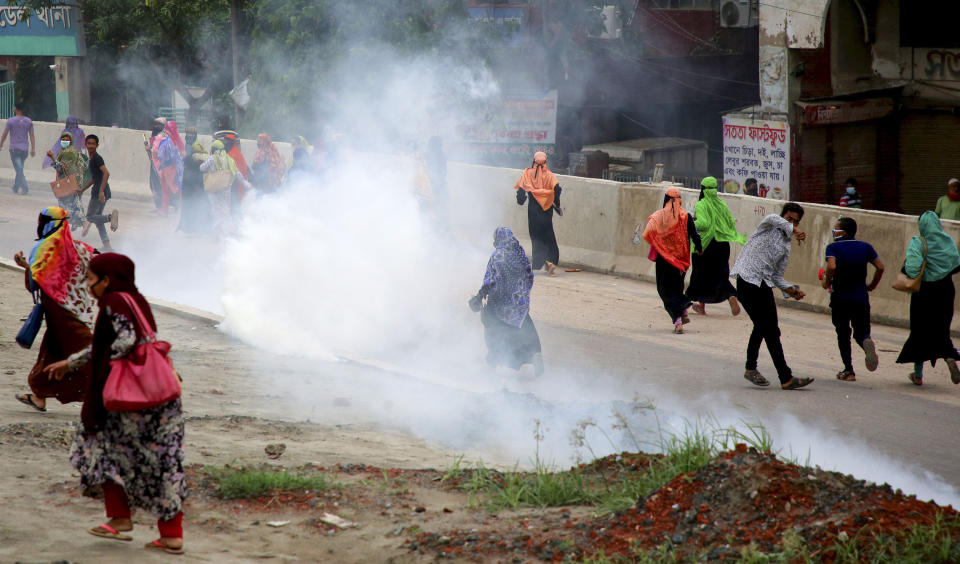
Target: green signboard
<point x="47" y="32"/>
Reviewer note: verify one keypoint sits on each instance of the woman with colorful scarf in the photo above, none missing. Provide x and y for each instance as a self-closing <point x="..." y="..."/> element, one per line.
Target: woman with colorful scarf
<point x="70" y="161"/>
<point x="511" y="337"/>
<point x="710" y="276"/>
<point x="544" y="191"/>
<point x="72" y="126"/>
<point x="220" y="162"/>
<point x="55" y="269"/>
<point x="195" y="205"/>
<point x="167" y="156"/>
<point x="931" y="309"/>
<point x="268" y="166"/>
<point x="669" y="231"/>
<point x="135" y="458"/>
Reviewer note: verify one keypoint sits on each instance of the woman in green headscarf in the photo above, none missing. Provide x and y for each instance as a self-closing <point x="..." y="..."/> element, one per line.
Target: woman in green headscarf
<point x="931" y="309"/>
<point x="220" y="172"/>
<point x="710" y="277"/>
<point x="70" y="161"/>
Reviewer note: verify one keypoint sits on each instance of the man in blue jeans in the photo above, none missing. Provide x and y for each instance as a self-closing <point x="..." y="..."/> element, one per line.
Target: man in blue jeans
<point x="20" y="128"/>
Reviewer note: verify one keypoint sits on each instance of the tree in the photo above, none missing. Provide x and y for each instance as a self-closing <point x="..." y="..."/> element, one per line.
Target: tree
<point x="153" y="45"/>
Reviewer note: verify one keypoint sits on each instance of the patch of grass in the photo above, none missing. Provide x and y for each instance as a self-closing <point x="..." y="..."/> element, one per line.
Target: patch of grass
<point x="688" y="450"/>
<point x="935" y="543"/>
<point x="246" y="483"/>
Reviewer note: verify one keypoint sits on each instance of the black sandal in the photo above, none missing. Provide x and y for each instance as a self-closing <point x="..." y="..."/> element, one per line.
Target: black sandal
<point x="846" y="376"/>
<point x="27" y="399"/>
<point x="915" y="380"/>
<point x="795" y="383"/>
<point x="755" y="378"/>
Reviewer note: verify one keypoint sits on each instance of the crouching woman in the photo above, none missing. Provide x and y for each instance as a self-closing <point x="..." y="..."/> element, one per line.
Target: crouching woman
<point x="136" y="457"/>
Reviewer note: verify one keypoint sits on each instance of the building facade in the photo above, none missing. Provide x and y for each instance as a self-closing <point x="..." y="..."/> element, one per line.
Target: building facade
<point x="871" y="89"/>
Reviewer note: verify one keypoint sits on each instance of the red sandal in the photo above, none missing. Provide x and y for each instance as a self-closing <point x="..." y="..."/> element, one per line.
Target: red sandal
<point x="109" y="532"/>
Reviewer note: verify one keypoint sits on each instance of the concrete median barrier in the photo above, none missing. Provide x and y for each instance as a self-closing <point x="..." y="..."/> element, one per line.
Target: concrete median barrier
<point x="596" y="230"/>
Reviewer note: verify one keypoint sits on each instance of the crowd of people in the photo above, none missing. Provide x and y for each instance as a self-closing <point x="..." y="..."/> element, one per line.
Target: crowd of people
<point x="96" y="317"/>
<point x="679" y="240"/>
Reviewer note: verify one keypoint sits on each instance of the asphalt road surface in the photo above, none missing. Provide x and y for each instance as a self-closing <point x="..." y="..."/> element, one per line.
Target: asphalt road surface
<point x="606" y="341"/>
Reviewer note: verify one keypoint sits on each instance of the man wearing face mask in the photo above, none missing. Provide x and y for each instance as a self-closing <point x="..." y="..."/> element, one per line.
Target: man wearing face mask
<point x="851" y="198"/>
<point x="148" y="145"/>
<point x="846" y="279"/>
<point x="948" y="206"/>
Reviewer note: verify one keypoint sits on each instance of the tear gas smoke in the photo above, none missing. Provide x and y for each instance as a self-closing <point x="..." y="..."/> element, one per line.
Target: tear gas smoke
<point x="348" y="265"/>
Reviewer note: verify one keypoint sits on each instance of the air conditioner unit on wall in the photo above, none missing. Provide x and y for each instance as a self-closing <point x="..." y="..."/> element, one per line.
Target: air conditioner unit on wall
<point x="738" y="13"/>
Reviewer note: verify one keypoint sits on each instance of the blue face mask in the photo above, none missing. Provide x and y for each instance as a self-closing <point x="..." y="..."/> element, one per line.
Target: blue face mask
<point x="64" y="143"/>
<point x="851" y="190"/>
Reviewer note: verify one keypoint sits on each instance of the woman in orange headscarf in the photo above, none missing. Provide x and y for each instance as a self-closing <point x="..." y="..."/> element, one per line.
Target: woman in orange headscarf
<point x="544" y="191"/>
<point x="669" y="232"/>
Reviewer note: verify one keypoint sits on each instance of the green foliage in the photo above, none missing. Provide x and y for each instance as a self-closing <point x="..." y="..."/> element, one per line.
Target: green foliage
<point x="243" y="483"/>
<point x="933" y="544"/>
<point x="141" y="50"/>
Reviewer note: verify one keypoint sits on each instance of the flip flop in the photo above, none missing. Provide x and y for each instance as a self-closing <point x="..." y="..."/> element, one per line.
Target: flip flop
<point x="846" y="376"/>
<point x="109" y="532"/>
<point x="796" y="383"/>
<point x="870" y="354"/>
<point x="27" y="399"/>
<point x="157" y="544"/>
<point x="954" y="371"/>
<point x="756" y="378"/>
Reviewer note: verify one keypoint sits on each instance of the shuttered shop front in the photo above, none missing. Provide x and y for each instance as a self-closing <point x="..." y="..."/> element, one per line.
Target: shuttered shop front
<point x="929" y="156"/>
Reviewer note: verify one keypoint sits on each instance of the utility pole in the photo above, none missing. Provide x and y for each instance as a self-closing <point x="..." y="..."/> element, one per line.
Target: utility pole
<point x="234" y="31"/>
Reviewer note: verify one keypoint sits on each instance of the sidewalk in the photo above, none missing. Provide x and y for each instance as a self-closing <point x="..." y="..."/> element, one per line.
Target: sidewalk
<point x="39" y="181"/>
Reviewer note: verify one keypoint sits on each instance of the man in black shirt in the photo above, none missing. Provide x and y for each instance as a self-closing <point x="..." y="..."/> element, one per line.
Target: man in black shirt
<point x="99" y="175"/>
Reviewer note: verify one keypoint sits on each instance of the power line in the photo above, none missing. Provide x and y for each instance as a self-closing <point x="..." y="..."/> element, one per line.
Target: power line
<point x="680" y="82"/>
<point x="664" y="19"/>
<point x="658" y="132"/>
<point x="790" y="10"/>
<point x="719" y="78"/>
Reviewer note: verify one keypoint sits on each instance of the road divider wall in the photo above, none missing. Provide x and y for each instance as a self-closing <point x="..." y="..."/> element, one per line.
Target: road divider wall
<point x="596" y="230"/>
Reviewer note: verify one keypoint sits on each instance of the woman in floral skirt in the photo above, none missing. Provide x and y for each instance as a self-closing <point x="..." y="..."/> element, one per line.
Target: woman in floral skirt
<point x="135" y="457"/>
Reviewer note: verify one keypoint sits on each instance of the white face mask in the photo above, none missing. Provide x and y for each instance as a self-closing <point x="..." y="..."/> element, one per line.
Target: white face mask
<point x="837" y="234"/>
<point x="851" y="190"/>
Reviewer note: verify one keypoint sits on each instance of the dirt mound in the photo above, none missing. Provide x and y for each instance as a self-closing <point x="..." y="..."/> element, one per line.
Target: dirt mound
<point x="747" y="497"/>
<point x="742" y="498"/>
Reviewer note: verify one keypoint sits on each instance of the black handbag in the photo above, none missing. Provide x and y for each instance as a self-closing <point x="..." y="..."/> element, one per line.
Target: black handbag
<point x="28" y="333"/>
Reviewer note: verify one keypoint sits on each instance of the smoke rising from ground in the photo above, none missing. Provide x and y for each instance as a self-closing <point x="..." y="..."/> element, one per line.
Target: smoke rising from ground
<point x="348" y="265"/>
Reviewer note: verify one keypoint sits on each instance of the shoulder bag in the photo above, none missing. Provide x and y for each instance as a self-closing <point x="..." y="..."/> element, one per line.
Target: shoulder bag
<point x="217" y="181"/>
<point x="144" y="378"/>
<point x="904" y="283"/>
<point x="28" y="333"/>
<point x="65" y="187"/>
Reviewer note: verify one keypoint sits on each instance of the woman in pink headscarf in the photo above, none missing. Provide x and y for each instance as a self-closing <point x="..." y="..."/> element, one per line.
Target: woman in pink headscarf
<point x="544" y="191"/>
<point x="168" y="157"/>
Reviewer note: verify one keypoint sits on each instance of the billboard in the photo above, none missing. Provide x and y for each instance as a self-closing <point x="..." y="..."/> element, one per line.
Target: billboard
<point x="47" y="32"/>
<point x="760" y="150"/>
<point x="511" y="129"/>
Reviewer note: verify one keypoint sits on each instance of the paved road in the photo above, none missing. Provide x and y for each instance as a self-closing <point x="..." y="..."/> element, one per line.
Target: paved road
<point x="607" y="340"/>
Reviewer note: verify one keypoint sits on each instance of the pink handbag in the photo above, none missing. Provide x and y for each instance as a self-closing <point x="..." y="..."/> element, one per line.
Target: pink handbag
<point x="145" y="377"/>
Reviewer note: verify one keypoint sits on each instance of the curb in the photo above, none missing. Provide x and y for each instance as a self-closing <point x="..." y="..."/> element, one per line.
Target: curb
<point x="179" y="310"/>
<point x="37" y="187"/>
